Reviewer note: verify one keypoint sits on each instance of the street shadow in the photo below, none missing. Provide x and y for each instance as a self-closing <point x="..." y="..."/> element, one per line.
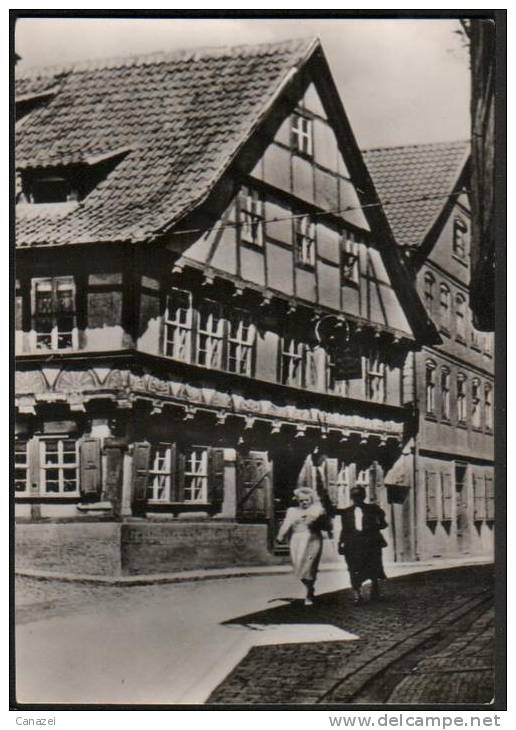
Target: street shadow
<point x="400" y="598"/>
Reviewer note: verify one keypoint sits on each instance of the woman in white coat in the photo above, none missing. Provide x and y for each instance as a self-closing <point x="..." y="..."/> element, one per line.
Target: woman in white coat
<point x="302" y="525"/>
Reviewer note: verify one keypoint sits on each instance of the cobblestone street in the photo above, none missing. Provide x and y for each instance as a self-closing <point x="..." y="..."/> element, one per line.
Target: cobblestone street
<point x="431" y="640"/>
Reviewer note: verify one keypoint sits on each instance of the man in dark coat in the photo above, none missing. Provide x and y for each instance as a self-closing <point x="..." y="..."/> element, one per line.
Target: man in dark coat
<point x="361" y="542"/>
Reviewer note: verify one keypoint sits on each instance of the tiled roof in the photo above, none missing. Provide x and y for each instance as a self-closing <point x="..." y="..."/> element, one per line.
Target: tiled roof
<point x="182" y="115"/>
<point x="427" y="172"/>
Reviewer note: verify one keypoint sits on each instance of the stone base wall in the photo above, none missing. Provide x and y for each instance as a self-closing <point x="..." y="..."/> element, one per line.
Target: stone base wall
<point x="91" y="548"/>
<point x="140" y="548"/>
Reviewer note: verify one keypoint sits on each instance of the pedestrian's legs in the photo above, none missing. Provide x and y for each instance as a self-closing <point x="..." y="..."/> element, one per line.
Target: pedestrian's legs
<point x="309" y="585"/>
<point x="356" y="584"/>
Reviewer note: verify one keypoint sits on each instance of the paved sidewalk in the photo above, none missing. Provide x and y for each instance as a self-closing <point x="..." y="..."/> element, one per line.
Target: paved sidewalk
<point x="420" y="612"/>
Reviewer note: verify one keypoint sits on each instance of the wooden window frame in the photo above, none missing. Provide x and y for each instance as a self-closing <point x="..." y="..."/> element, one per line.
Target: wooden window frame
<point x="155" y="473"/>
<point x="55" y="333"/>
<point x="445" y="393"/>
<point x="430" y="371"/>
<point x="252" y="217"/>
<point x="375" y="377"/>
<point x="305" y="242"/>
<point x="302" y="134"/>
<point x="240" y="344"/>
<point x="215" y="337"/>
<point x="350" y="262"/>
<point x="428" y="290"/>
<point x="204" y="476"/>
<point x="59" y="466"/>
<point x="175" y="328"/>
<point x="460" y="229"/>
<point x="19" y="465"/>
<point x="488" y="407"/>
<point x="460" y="318"/>
<point x="476" y="405"/>
<point x="462" y="400"/>
<point x="293" y="351"/>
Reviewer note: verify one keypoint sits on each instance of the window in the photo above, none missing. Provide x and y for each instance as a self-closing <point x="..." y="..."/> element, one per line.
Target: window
<point x="349" y="269"/>
<point x="305" y="241"/>
<point x="53" y="309"/>
<point x="50" y="189"/>
<point x="460" y="230"/>
<point x="460" y="317"/>
<point x="428" y="290"/>
<point x="21" y="467"/>
<point x="445" y="394"/>
<point x="251" y="218"/>
<point x="292" y="362"/>
<point x="210" y="335"/>
<point x="59" y="465"/>
<point x="375" y="378"/>
<point x="461" y="398"/>
<point x="241" y="342"/>
<point x="488" y="406"/>
<point x="196" y="474"/>
<point x="363" y="479"/>
<point x="160" y="473"/>
<point x="476" y="415"/>
<point x="430" y="387"/>
<point x="302" y="134"/>
<point x="178" y="325"/>
<point x="444" y="303"/>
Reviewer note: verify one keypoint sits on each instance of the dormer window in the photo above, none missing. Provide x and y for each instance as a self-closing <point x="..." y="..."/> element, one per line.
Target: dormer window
<point x="251" y="218"/>
<point x="301" y="134"/>
<point x="51" y="189"/>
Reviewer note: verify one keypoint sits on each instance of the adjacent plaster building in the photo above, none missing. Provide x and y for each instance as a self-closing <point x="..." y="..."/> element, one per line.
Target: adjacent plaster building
<point x="453" y="450"/>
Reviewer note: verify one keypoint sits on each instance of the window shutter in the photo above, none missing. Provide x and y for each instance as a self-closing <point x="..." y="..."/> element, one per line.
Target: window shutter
<point x="215" y="476"/>
<point x="446" y="489"/>
<point x="141" y="460"/>
<point x="479" y="498"/>
<point x="254" y="486"/>
<point x="431" y="496"/>
<point x="180" y="476"/>
<point x="33" y="461"/>
<point x="90" y="476"/>
<point x="114" y="470"/>
<point x="173" y="473"/>
<point x="490" y="498"/>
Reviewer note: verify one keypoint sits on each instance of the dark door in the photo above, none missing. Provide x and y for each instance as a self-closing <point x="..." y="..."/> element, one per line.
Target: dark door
<point x="290" y="471"/>
<point x="254" y="493"/>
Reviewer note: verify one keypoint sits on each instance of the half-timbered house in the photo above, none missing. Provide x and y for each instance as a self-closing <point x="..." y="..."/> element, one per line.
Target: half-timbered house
<point x="210" y="308"/>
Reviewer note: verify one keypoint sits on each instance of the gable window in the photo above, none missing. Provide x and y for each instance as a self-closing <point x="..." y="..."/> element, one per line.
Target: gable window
<point x="445" y="393"/>
<point x="59" y="466"/>
<point x="302" y="134"/>
<point x="21" y="467"/>
<point x="160" y="473"/>
<point x="488" y="406"/>
<point x="428" y="290"/>
<point x="305" y="241"/>
<point x="210" y="334"/>
<point x="444" y="303"/>
<point x="241" y="337"/>
<point x="430" y="387"/>
<point x="460" y="230"/>
<point x="461" y="398"/>
<point x="53" y="313"/>
<point x="476" y="416"/>
<point x="53" y="188"/>
<point x="375" y="378"/>
<point x="251" y="218"/>
<point x="292" y="362"/>
<point x="196" y="474"/>
<point x="460" y="317"/>
<point x="349" y="267"/>
<point x="178" y="325"/>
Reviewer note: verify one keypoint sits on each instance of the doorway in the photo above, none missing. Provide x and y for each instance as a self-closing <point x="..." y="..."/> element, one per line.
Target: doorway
<point x="291" y="470"/>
